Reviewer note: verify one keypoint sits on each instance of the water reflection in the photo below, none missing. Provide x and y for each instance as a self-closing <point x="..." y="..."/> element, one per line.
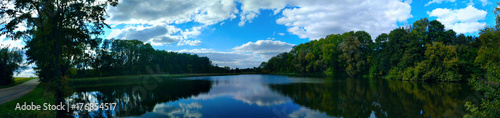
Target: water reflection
<point x="250" y="89"/>
<point x="381" y="98"/>
<point x="277" y="96"/>
<point x="132" y="100"/>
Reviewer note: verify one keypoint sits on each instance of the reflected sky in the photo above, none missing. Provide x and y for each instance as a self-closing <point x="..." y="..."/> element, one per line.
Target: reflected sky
<point x="238" y="96"/>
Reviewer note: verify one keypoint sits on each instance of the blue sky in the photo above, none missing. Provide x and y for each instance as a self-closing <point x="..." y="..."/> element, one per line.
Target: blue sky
<point x="244" y="33"/>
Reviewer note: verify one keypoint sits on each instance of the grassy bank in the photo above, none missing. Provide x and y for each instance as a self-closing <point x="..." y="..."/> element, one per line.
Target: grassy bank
<point x="38" y="96"/>
<point x="113" y="80"/>
<point x="17" y="81"/>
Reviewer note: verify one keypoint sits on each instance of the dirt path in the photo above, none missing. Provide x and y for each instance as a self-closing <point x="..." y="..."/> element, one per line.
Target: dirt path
<point x="12" y="93"/>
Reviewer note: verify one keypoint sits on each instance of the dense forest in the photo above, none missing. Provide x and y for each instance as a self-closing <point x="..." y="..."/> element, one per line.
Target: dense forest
<point x="131" y="57"/>
<point x="423" y="51"/>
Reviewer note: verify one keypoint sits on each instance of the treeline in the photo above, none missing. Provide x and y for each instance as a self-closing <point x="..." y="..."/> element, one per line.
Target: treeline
<point x="131" y="57"/>
<point x="10" y="63"/>
<point x="423" y="51"/>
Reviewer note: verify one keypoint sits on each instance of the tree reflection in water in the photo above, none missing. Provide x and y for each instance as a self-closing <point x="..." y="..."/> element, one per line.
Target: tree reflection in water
<point x="277" y="96"/>
<point x="380" y="98"/>
<point x="132" y="101"/>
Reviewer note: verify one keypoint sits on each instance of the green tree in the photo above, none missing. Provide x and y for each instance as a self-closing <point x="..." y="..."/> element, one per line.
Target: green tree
<point x="56" y="30"/>
<point x="330" y="55"/>
<point x="378" y="66"/>
<point x="488" y="58"/>
<point x="10" y="62"/>
<point x="352" y="54"/>
<point x="440" y="64"/>
<point x="393" y="51"/>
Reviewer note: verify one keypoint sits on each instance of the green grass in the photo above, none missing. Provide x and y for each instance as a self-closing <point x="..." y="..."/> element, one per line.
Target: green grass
<point x="38" y="96"/>
<point x="17" y="81"/>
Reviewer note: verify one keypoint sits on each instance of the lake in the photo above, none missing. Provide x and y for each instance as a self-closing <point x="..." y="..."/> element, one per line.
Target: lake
<point x="276" y="96"/>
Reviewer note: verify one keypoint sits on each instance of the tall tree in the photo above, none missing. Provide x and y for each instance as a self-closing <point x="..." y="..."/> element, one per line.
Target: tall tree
<point x="56" y="30"/>
<point x="352" y="54"/>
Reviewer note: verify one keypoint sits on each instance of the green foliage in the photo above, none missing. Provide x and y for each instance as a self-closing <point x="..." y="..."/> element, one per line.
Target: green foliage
<point x="424" y="51"/>
<point x="39" y="95"/>
<point x="57" y="31"/>
<point x="355" y="49"/>
<point x="131" y="57"/>
<point x="488" y="57"/>
<point x="10" y="62"/>
<point x="441" y="64"/>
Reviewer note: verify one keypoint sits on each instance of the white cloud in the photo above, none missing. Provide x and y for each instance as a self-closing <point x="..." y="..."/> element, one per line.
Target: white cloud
<point x="7" y="42"/>
<point x="281" y="34"/>
<point x="485" y="2"/>
<point x="314" y="19"/>
<point x="251" y="8"/>
<point x="231" y="59"/>
<point x="244" y="56"/>
<point x="26" y="73"/>
<point x="189" y="42"/>
<point x="29" y="72"/>
<point x="172" y="11"/>
<point x="439" y="1"/>
<point x="265" y="48"/>
<point x="158" y="34"/>
<point x="167" y="13"/>
<point x="464" y="20"/>
<point x="145" y="34"/>
<point x="308" y="19"/>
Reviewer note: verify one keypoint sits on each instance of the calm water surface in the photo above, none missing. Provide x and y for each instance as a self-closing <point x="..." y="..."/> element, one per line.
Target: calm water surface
<point x="276" y="96"/>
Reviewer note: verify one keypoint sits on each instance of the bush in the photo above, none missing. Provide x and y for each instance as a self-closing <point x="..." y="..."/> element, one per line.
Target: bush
<point x="10" y="62"/>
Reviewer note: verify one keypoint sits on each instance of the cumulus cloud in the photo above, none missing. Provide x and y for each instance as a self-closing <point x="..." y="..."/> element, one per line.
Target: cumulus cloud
<point x="438" y="1"/>
<point x="251" y="8"/>
<point x="145" y="34"/>
<point x="158" y="34"/>
<point x="281" y="34"/>
<point x="265" y="48"/>
<point x="172" y="11"/>
<point x="161" y="12"/>
<point x="244" y="56"/>
<point x="308" y="19"/>
<point x="466" y="20"/>
<point x="314" y="19"/>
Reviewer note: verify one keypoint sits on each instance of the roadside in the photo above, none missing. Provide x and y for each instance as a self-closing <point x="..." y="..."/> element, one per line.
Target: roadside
<point x="17" y="81"/>
<point x="39" y="95"/>
<point x="11" y="93"/>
